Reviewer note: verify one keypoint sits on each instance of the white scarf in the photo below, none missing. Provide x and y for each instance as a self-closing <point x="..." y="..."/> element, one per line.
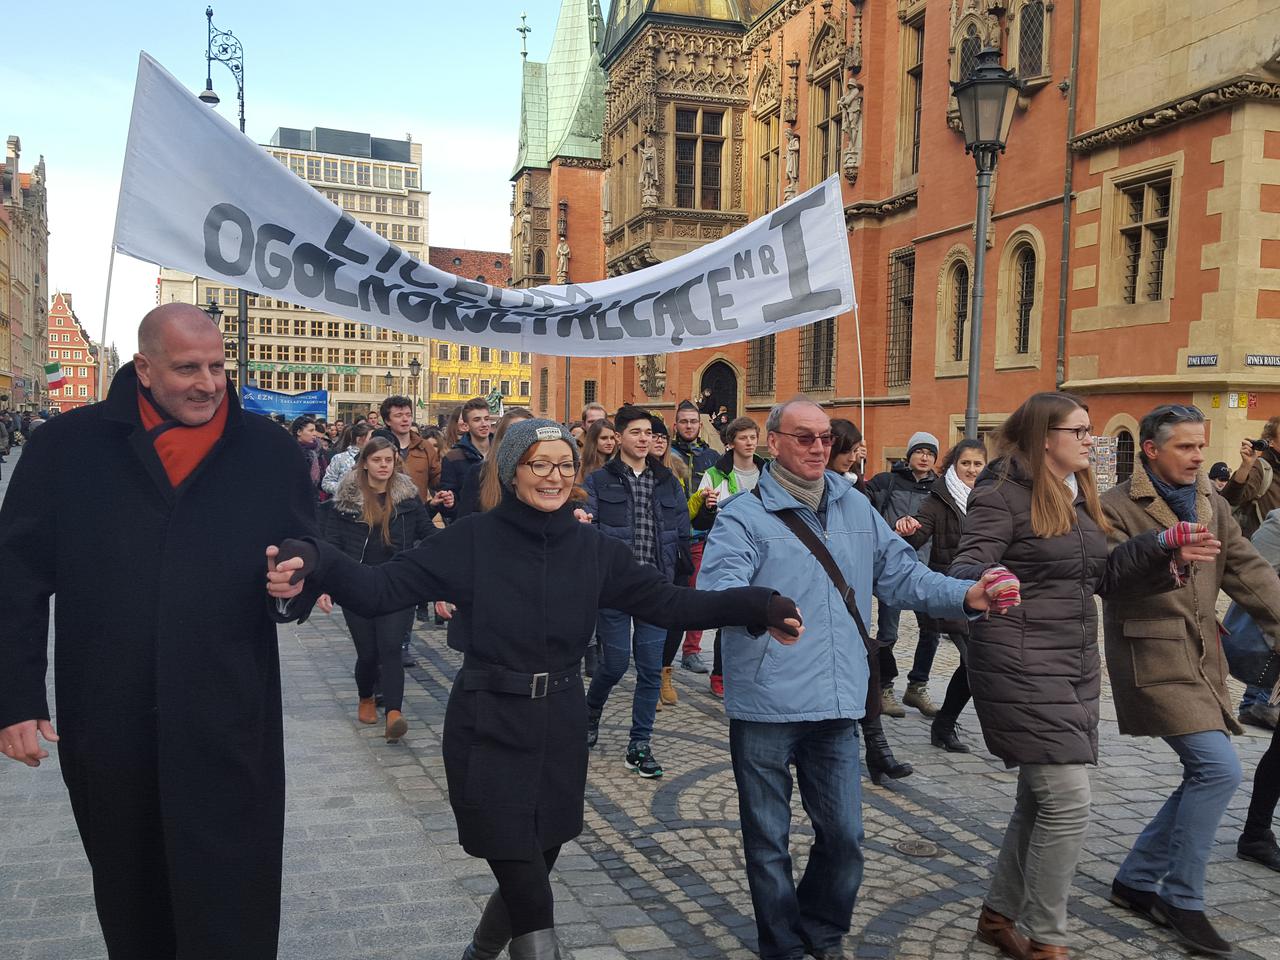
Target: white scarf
<point x="956" y="487"/>
<point x="1073" y="485"/>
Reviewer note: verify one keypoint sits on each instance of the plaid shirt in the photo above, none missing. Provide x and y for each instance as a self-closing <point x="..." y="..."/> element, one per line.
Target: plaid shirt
<point x="645" y="528"/>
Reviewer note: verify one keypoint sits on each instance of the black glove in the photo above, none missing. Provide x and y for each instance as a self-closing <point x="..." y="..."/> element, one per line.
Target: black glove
<point x="299" y="548"/>
<point x="782" y="609"/>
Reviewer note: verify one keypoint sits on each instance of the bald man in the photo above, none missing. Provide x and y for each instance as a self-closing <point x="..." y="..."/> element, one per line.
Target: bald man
<point x="148" y="515"/>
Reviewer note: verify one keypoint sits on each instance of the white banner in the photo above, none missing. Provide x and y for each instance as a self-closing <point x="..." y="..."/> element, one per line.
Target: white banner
<point x="197" y="195"/>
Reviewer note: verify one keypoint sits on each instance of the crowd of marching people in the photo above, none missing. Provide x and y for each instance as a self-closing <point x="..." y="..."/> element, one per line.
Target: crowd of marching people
<point x="744" y="552"/>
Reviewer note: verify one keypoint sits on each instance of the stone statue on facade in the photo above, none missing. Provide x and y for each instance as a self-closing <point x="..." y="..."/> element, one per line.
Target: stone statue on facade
<point x="562" y="261"/>
<point x="649" y="172"/>
<point x="793" y="164"/>
<point x="526" y="233"/>
<point x="851" y="119"/>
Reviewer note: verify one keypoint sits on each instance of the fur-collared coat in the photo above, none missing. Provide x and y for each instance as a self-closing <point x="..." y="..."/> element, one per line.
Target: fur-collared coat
<point x="1168" y="672"/>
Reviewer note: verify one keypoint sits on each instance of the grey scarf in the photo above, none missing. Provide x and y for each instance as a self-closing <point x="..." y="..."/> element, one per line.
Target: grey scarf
<point x="808" y="492"/>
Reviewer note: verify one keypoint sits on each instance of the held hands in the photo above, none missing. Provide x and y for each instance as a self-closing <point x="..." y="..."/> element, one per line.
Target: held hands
<point x="1189" y="543"/>
<point x="582" y="516"/>
<point x="287" y="567"/>
<point x="325" y="603"/>
<point x="998" y="590"/>
<point x="444" y="610"/>
<point x="442" y="498"/>
<point x="18" y="742"/>
<point x="785" y="622"/>
<point x="906" y="526"/>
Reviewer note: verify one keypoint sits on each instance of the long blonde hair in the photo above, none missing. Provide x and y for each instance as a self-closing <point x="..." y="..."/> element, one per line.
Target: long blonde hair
<point x="592" y="458"/>
<point x="376" y="513"/>
<point x="1022" y="438"/>
<point x="490" y="485"/>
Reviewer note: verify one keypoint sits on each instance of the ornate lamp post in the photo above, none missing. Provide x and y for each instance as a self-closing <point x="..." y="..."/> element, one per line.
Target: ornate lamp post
<point x="224" y="47"/>
<point x="986" y="99"/>
<point x="388" y="380"/>
<point x="415" y="368"/>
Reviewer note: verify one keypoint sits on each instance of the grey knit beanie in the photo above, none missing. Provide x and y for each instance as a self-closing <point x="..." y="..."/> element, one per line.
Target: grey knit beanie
<point x="522" y="435"/>
<point x="922" y="440"/>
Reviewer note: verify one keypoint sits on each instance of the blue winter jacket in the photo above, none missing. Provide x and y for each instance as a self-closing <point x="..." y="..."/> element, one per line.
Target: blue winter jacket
<point x="824" y="675"/>
<point x="609" y="501"/>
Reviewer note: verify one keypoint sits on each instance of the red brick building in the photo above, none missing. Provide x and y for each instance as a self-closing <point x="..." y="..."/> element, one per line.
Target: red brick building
<point x="71" y="347"/>
<point x="1131" y="255"/>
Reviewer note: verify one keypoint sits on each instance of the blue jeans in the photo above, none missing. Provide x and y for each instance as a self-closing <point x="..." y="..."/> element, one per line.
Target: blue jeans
<point x="1254" y="695"/>
<point x="614" y="630"/>
<point x="815" y="915"/>
<point x="1171" y="854"/>
<point x="887" y="635"/>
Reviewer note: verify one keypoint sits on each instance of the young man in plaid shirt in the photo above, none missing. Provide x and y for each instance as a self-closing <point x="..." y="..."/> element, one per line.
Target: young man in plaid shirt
<point x="640" y="502"/>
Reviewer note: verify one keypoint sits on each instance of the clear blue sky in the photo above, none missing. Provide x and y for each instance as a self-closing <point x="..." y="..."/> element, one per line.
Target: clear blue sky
<point x="446" y="72"/>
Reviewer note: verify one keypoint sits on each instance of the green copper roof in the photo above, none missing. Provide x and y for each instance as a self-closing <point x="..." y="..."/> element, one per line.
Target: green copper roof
<point x="562" y="101"/>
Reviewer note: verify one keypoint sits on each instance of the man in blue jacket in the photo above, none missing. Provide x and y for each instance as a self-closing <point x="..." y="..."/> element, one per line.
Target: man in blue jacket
<point x="800" y="704"/>
<point x="640" y="502"/>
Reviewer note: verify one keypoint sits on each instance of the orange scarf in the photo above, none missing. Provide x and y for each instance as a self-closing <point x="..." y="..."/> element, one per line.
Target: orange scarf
<point x="181" y="449"/>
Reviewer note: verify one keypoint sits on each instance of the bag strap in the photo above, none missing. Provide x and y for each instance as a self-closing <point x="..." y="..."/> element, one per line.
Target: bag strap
<point x="804" y="533"/>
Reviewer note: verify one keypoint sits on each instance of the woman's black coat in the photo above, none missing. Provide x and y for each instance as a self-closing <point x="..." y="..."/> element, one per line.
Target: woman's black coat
<point x="1035" y="672"/>
<point x="941" y="524"/>
<point x="530" y="584"/>
<point x="167" y="671"/>
<point x="344" y="524"/>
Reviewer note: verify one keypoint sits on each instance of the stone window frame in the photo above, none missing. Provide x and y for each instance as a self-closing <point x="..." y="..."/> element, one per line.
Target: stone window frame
<point x="1034" y="81"/>
<point x="813" y="343"/>
<point x="1112" y="310"/>
<point x="766" y="115"/>
<point x="1007" y="355"/>
<point x="910" y="114"/>
<point x="762" y="358"/>
<point x="900" y="325"/>
<point x="944" y="363"/>
<point x="700" y="139"/>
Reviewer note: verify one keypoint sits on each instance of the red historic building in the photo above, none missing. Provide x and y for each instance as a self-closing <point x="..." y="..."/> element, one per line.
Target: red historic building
<point x="70" y="346"/>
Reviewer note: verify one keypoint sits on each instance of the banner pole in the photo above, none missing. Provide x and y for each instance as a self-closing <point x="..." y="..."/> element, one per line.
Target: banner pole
<point x="862" y="386"/>
<point x="102" y="344"/>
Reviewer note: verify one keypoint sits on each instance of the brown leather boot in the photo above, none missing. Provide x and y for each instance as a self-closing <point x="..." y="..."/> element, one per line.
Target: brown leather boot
<point x="1000" y="932"/>
<point x="667" y="694"/>
<point x="1047" y="951"/>
<point x="367" y="712"/>
<point x="397" y="725"/>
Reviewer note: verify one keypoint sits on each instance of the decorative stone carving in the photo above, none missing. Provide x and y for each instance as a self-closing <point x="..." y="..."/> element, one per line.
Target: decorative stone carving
<point x="526" y="237"/>
<point x="1214" y="98"/>
<point x="827" y="49"/>
<point x="652" y="370"/>
<point x="879" y="209"/>
<point x="768" y="90"/>
<point x="774" y="21"/>
<point x="649" y="172"/>
<point x="791" y="104"/>
<point x="851" y="120"/>
<point x="562" y="261"/>
<point x="793" y="163"/>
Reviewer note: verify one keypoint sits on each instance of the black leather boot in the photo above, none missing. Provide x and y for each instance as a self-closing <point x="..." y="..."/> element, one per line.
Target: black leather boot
<point x="942" y="733"/>
<point x="881" y="762"/>
<point x="539" y="945"/>
<point x="492" y="933"/>
<point x="593" y="726"/>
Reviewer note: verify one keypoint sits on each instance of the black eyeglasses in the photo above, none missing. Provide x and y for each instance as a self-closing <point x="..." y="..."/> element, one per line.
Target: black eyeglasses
<point x="1080" y="432"/>
<point x="544" y="468"/>
<point x="809" y="439"/>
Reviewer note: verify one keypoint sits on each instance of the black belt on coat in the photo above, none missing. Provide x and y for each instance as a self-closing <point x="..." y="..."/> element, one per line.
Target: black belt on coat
<point x="532" y="685"/>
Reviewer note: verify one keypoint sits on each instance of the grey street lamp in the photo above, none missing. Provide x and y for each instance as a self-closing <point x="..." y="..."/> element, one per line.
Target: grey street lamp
<point x="986" y="99"/>
<point x="387" y="380"/>
<point x="224" y="47"/>
<point x="415" y="368"/>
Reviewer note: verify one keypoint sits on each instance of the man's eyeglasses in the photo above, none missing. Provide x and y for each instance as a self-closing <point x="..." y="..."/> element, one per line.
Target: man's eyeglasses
<point x="809" y="439"/>
<point x="1080" y="432"/>
<point x="544" y="468"/>
<point x="1177" y="411"/>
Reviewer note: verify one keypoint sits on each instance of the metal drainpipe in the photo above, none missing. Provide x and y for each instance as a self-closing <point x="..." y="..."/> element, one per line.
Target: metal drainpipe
<point x="1068" y="185"/>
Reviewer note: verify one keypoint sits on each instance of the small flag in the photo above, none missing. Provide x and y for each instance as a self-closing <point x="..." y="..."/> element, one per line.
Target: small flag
<point x="53" y="374"/>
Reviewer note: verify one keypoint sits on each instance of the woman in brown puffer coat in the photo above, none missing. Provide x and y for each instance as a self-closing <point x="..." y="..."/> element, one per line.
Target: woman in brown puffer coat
<point x="1035" y="673"/>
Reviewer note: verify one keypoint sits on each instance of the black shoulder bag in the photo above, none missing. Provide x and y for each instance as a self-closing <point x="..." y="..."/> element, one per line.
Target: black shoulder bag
<point x="804" y="533"/>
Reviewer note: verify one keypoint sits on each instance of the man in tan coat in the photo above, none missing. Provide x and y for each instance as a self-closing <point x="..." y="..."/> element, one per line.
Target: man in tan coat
<point x="1168" y="672"/>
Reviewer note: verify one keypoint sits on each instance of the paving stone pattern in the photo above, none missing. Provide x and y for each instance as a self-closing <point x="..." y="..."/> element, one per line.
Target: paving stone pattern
<point x="372" y="868"/>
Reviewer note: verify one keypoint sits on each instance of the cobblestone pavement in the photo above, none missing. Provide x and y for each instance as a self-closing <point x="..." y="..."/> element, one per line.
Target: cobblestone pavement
<point x="372" y="869"/>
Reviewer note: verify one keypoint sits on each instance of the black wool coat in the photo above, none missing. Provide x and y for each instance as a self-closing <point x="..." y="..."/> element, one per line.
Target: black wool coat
<point x="530" y="584"/>
<point x="344" y="526"/>
<point x="941" y="526"/>
<point x="1035" y="672"/>
<point x="167" y="673"/>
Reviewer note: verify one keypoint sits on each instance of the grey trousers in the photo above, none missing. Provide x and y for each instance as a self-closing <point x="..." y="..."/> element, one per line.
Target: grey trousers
<point x="1041" y="848"/>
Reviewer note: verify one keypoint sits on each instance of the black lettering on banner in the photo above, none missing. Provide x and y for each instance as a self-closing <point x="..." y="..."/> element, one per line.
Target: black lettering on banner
<point x="445" y="314"/>
<point x="584" y="320"/>
<point x="388" y="259"/>
<point x="605" y="331"/>
<point x="332" y="292"/>
<point x="478" y="320"/>
<point x="273" y="267"/>
<point x="219" y="216"/>
<point x="719" y="301"/>
<point x="768" y="264"/>
<point x="675" y="305"/>
<point x="414" y="306"/>
<point x="336" y="243"/>
<point x="742" y="268"/>
<point x="406" y="274"/>
<point x="309" y="266"/>
<point x="379" y="290"/>
<point x="804" y="299"/>
<point x="633" y="325"/>
<point x="502" y="322"/>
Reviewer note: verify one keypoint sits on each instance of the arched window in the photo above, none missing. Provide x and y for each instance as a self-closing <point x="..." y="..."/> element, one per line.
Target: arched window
<point x="960" y="309"/>
<point x="1025" y="275"/>
<point x="1124" y="456"/>
<point x="1031" y="37"/>
<point x="539" y="263"/>
<point x="970" y="47"/>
